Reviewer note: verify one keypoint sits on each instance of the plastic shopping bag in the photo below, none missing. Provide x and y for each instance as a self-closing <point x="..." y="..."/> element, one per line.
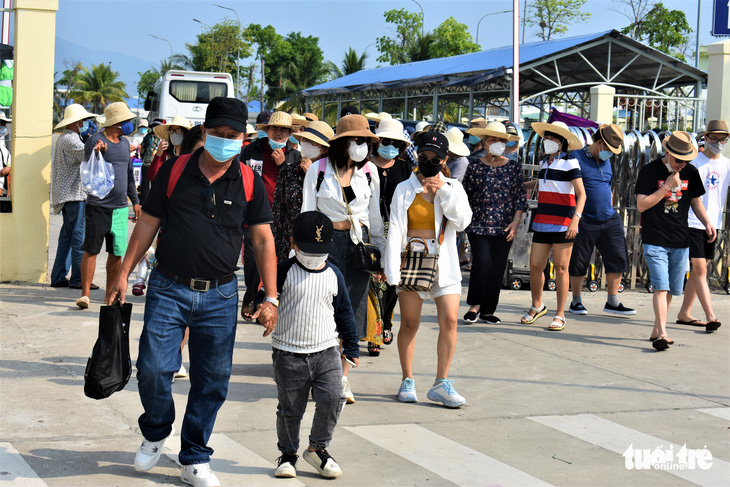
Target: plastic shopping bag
<point x="97" y="175"/>
<point x="110" y="366"/>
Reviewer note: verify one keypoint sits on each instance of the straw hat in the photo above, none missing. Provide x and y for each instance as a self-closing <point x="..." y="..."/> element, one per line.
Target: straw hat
<point x="163" y="131"/>
<point x="310" y="116"/>
<point x="250" y="132"/>
<point x="391" y="129"/>
<point x="318" y="132"/>
<point x="612" y="136"/>
<point x="456" y="142"/>
<point x="679" y="144"/>
<point x="73" y="113"/>
<point x="378" y="117"/>
<point x="117" y="112"/>
<point x="354" y="126"/>
<point x="562" y="130"/>
<point x="297" y="119"/>
<point x="277" y="119"/>
<point x="494" y="129"/>
<point x="716" y="127"/>
<point x="477" y="123"/>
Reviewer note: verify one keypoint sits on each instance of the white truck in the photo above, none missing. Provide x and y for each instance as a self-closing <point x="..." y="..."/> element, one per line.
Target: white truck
<point x="186" y="93"/>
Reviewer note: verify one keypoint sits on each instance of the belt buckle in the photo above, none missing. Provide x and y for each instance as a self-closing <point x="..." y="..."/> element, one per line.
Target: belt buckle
<point x="194" y="282"/>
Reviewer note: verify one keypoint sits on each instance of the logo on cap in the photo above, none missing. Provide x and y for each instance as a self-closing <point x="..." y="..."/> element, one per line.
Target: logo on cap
<point x="318" y="231"/>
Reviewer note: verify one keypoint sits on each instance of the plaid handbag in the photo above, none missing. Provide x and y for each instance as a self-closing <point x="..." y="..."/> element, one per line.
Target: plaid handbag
<point x="418" y="268"/>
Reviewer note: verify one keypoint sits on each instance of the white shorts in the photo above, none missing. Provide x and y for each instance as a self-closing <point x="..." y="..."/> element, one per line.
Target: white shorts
<point x="436" y="290"/>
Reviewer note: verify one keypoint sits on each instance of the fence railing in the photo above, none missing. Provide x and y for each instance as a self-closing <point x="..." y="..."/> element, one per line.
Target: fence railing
<point x="642" y="112"/>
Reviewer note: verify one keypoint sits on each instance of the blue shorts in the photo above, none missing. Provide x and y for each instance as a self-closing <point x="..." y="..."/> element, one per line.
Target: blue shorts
<point x="667" y="267"/>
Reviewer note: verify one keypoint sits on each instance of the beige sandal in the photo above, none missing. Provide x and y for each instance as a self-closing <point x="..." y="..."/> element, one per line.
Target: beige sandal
<point x="528" y="320"/>
<point x="557" y="324"/>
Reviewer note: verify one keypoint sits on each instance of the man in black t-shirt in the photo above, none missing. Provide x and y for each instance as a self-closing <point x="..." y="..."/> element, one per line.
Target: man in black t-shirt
<point x="665" y="190"/>
<point x="200" y="218"/>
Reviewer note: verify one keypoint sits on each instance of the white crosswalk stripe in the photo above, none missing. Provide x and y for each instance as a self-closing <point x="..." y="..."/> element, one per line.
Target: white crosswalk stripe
<point x="723" y="413"/>
<point x="233" y="462"/>
<point x="444" y="457"/>
<point x="617" y="438"/>
<point x="15" y="471"/>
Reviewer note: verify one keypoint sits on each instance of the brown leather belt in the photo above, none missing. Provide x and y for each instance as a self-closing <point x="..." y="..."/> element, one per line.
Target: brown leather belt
<point x="202" y="285"/>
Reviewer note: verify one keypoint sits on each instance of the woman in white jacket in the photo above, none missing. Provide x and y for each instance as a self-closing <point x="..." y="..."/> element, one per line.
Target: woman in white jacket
<point x="418" y="210"/>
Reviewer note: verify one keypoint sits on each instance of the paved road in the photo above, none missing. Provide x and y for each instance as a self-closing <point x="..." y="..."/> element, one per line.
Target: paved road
<point x="543" y="408"/>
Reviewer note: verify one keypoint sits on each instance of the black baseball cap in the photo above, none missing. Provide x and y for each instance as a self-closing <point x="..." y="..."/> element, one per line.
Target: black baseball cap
<point x="312" y="232"/>
<point x="226" y="111"/>
<point x="434" y="142"/>
<point x="263" y="117"/>
<point x="349" y="110"/>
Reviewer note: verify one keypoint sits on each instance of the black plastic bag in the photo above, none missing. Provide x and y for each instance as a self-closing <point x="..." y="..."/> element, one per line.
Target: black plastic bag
<point x="110" y="366"/>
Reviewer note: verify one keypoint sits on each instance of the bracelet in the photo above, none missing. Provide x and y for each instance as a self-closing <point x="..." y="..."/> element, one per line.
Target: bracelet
<point x="578" y="215"/>
<point x="515" y="219"/>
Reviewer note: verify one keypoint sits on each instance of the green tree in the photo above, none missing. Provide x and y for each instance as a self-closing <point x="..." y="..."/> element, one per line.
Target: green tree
<point x="307" y="72"/>
<point x="217" y="49"/>
<point x="636" y="11"/>
<point x="63" y="88"/>
<point x="665" y="30"/>
<point x="554" y="16"/>
<point x="290" y="53"/>
<point x="98" y="87"/>
<point x="451" y="38"/>
<point x="147" y="81"/>
<point x="408" y="26"/>
<point x="351" y="63"/>
<point x="266" y="39"/>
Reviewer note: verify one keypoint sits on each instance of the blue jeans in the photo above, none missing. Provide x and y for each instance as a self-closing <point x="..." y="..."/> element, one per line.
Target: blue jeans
<point x="296" y="374"/>
<point x="70" y="240"/>
<point x="667" y="267"/>
<point x="211" y="318"/>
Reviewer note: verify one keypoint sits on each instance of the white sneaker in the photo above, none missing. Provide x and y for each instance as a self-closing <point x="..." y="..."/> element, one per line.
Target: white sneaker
<point x="349" y="396"/>
<point x="444" y="392"/>
<point x="149" y="453"/>
<point x="323" y="462"/>
<point x="287" y="467"/>
<point x="407" y="391"/>
<point x="199" y="475"/>
<point x="182" y="372"/>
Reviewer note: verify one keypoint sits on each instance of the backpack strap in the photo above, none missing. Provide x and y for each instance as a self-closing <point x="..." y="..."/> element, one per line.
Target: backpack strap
<point x="247" y="174"/>
<point x="177" y="169"/>
<point x="320" y="174"/>
<point x="366" y="169"/>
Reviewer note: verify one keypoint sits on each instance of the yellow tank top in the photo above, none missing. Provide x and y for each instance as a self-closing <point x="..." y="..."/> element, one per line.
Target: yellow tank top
<point x="420" y="214"/>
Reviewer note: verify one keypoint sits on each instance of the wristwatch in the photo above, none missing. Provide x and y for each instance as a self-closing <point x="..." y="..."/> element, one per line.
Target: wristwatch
<point x="273" y="301"/>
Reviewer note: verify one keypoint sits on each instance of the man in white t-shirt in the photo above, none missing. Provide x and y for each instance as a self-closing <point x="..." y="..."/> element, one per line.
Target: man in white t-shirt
<point x="714" y="169"/>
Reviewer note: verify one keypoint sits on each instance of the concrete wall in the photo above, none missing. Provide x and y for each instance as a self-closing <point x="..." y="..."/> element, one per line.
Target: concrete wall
<point x="24" y="232"/>
<point x="718" y="84"/>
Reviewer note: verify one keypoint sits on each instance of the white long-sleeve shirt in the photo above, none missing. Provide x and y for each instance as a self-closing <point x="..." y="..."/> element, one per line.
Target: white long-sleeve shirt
<point x="330" y="201"/>
<point x="451" y="201"/>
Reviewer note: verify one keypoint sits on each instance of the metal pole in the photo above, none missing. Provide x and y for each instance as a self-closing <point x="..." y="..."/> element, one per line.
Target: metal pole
<point x="524" y="20"/>
<point x="486" y="15"/>
<point x="515" y="108"/>
<point x="162" y="39"/>
<point x="238" y="55"/>
<point x="697" y="40"/>
<point x="423" y="16"/>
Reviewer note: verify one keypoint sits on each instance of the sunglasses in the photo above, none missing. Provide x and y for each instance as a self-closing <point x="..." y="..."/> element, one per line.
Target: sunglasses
<point x="715" y="140"/>
<point x="208" y="195"/>
<point x="398" y="144"/>
<point x="358" y="140"/>
<point x="424" y="159"/>
<point x="176" y="131"/>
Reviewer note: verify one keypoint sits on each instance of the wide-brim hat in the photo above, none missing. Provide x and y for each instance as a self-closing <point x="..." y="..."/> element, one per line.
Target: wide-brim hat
<point x="680" y="145"/>
<point x="494" y="129"/>
<point x="310" y="116"/>
<point x="277" y="119"/>
<point x="163" y="131"/>
<point x="716" y="127"/>
<point x="456" y="142"/>
<point x="574" y="143"/>
<point x="312" y="232"/>
<point x="354" y="126"/>
<point x="378" y="117"/>
<point x="299" y="120"/>
<point x="612" y="136"/>
<point x="72" y="113"/>
<point x="318" y="132"/>
<point x="391" y="129"/>
<point x="117" y="112"/>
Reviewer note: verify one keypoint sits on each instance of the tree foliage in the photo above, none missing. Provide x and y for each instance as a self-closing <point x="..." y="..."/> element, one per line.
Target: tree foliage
<point x="409" y="43"/>
<point x="636" y="11"/>
<point x="352" y="62"/>
<point x="98" y="87"/>
<point x="147" y="81"/>
<point x="217" y="49"/>
<point x="307" y="72"/>
<point x="554" y="16"/>
<point x="663" y="29"/>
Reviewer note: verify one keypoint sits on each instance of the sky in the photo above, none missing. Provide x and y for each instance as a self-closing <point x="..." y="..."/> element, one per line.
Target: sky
<point x="119" y="31"/>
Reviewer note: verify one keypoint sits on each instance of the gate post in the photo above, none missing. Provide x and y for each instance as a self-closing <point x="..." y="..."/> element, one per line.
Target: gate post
<point x="602" y="103"/>
<point x="718" y="84"/>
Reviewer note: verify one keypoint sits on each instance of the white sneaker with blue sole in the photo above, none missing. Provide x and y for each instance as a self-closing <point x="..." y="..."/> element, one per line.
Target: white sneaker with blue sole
<point x="443" y="391"/>
<point x="407" y="391"/>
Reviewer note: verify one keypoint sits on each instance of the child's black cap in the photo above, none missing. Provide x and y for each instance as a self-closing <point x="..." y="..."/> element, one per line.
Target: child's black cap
<point x="312" y="233"/>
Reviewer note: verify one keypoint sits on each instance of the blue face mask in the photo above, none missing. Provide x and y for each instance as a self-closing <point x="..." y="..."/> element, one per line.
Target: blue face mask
<point x="511" y="143"/>
<point x="388" y="152"/>
<point x="84" y="127"/>
<point x="143" y="130"/>
<point x="127" y="127"/>
<point x="474" y="140"/>
<point x="276" y="145"/>
<point x="604" y="155"/>
<point x="261" y="134"/>
<point x="87" y="128"/>
<point x="222" y="149"/>
<point x="293" y="140"/>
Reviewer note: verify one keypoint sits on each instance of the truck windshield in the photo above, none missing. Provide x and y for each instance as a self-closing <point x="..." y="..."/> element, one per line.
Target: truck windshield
<point x="197" y="91"/>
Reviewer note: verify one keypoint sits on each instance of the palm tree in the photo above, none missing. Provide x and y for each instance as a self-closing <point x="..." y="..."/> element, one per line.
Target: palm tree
<point x="98" y="87"/>
<point x="420" y="48"/>
<point x="308" y="73"/>
<point x="351" y="63"/>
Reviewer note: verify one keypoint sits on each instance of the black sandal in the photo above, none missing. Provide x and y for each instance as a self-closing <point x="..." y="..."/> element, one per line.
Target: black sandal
<point x="387" y="337"/>
<point x="373" y="349"/>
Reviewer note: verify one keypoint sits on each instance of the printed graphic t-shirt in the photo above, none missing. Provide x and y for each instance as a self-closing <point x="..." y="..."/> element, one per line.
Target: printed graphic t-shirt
<point x="715" y="175"/>
<point x="665" y="224"/>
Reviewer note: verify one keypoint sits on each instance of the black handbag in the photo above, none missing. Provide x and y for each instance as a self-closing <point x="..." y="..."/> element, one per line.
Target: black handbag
<point x="110" y="366"/>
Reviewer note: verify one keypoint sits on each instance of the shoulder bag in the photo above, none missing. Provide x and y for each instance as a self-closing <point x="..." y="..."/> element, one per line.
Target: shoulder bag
<point x="418" y="268"/>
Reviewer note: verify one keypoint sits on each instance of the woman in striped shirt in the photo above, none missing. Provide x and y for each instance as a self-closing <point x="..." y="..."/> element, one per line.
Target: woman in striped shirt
<point x="560" y="201"/>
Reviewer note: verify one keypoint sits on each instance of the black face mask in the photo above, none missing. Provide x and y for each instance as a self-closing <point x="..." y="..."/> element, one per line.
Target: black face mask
<point x="429" y="170"/>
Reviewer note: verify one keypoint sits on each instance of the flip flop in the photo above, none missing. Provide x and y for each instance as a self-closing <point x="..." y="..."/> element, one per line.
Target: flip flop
<point x="712" y="326"/>
<point x="528" y="320"/>
<point x="691" y="322"/>
<point x="660" y="344"/>
<point x="670" y="342"/>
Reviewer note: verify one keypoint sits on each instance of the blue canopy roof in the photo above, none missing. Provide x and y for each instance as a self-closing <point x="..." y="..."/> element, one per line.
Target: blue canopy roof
<point x="464" y="65"/>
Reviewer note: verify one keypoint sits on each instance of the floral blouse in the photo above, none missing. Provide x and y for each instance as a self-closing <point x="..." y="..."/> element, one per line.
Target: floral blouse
<point x="287" y="205"/>
<point x="495" y="195"/>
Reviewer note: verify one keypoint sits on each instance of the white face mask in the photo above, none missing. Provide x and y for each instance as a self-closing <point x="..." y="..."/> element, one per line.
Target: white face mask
<point x="311" y="261"/>
<point x="715" y="147"/>
<point x="550" y="147"/>
<point x="176" y="139"/>
<point x="497" y="149"/>
<point x="308" y="150"/>
<point x="357" y="152"/>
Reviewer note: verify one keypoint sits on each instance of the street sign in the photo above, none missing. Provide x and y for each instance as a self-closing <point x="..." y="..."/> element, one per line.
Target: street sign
<point x="721" y="18"/>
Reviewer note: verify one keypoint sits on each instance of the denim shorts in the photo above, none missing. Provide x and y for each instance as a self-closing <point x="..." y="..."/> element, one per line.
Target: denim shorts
<point x="667" y="267"/>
